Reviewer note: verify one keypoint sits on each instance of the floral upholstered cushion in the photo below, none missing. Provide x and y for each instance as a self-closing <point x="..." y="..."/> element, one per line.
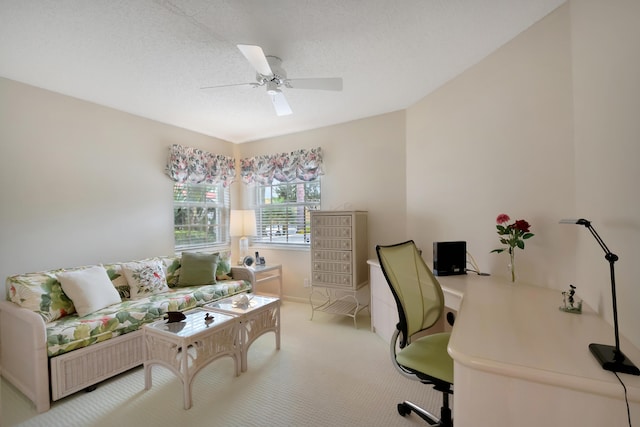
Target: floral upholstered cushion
<point x="73" y="332"/>
<point x="41" y="292"/>
<point x="224" y="266"/>
<point x="145" y="278"/>
<point x="119" y="281"/>
<point x="172" y="268"/>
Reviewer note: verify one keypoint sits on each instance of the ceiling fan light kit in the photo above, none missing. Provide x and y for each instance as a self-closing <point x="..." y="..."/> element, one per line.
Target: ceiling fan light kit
<point x="270" y="73"/>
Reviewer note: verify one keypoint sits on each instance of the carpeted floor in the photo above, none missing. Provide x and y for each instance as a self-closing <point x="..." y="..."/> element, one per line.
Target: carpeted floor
<point x="327" y="373"/>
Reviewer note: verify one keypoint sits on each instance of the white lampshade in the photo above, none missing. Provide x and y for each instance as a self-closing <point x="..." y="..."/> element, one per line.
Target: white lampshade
<point x="242" y="223"/>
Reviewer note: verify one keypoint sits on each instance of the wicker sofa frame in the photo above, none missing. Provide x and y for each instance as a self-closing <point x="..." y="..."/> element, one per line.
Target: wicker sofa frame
<point x="24" y="361"/>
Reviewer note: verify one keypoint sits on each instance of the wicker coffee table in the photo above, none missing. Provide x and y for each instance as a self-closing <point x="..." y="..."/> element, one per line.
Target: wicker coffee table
<point x="186" y="347"/>
<point x="259" y="316"/>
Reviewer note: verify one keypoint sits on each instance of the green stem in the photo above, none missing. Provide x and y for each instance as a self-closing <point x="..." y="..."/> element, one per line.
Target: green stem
<point x="512" y="255"/>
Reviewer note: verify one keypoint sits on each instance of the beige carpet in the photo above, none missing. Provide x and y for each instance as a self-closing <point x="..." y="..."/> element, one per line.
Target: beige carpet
<point x="327" y="373"/>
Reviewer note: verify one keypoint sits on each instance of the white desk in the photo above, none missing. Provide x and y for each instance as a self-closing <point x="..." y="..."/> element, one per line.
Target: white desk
<point x="519" y="361"/>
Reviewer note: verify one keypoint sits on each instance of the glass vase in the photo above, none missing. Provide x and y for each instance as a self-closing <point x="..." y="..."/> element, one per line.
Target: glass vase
<point x="512" y="265"/>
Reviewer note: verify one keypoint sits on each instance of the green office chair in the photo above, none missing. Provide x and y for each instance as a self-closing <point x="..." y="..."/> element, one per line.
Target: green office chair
<point x="420" y="305"/>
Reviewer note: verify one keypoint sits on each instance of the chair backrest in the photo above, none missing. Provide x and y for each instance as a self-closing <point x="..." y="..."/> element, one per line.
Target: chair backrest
<point x="417" y="292"/>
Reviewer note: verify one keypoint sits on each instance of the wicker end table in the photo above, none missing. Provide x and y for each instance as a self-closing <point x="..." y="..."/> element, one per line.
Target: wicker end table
<point x="259" y="316"/>
<point x="186" y="347"/>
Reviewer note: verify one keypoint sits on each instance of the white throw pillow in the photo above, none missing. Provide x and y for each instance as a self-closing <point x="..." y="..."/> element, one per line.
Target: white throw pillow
<point x="90" y="289"/>
<point x="145" y="278"/>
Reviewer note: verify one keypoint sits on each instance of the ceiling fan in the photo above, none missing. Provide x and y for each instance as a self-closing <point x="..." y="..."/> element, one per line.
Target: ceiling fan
<point x="270" y="74"/>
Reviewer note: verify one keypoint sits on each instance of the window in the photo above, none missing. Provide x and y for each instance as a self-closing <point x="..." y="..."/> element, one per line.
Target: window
<point x="200" y="215"/>
<point x="282" y="211"/>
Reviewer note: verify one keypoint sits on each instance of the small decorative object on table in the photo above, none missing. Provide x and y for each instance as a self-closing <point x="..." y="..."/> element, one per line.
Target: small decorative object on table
<point x="175" y="316"/>
<point x="242" y="301"/>
<point x="208" y="318"/>
<point x="513" y="235"/>
<point x="570" y="303"/>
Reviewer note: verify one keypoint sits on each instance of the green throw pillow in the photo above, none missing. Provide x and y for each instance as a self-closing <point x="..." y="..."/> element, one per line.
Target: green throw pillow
<point x="198" y="269"/>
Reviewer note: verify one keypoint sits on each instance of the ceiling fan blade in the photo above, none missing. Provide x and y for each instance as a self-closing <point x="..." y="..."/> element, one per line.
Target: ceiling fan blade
<point x="256" y="58"/>
<point x="235" y="84"/>
<point x="331" y="83"/>
<point x="280" y="102"/>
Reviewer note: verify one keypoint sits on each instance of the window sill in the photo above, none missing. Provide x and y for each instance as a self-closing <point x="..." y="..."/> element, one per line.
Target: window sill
<point x="280" y="247"/>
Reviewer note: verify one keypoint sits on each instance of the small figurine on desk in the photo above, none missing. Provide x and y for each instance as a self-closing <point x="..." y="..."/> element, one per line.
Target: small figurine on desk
<point x="569" y="303"/>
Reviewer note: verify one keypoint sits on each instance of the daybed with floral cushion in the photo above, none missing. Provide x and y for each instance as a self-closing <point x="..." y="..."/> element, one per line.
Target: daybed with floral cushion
<point x="65" y="330"/>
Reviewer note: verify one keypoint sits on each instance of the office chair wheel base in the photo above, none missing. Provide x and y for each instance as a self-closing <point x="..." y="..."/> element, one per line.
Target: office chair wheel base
<point x="406" y="407"/>
<point x="403" y="409"/>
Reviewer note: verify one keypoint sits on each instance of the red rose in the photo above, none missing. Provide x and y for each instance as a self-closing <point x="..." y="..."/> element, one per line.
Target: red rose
<point x="522" y="225"/>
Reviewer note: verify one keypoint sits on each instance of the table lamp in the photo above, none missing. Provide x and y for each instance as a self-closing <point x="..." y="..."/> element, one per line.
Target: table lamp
<point x="610" y="357"/>
<point x="242" y="223"/>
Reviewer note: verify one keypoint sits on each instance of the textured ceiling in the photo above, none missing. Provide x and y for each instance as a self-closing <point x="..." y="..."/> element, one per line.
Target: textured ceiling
<point x="151" y="57"/>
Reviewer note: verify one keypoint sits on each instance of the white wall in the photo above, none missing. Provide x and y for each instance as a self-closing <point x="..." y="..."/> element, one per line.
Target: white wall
<point x="365" y="170"/>
<point x="498" y="139"/>
<point x="82" y="183"/>
<point x="606" y="85"/>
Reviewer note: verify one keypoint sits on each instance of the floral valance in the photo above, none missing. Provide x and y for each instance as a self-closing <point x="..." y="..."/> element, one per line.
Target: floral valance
<point x="196" y="166"/>
<point x="303" y="165"/>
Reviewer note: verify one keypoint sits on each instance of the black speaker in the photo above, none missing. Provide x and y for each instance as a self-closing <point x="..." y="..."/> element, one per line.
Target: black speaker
<point x="449" y="258"/>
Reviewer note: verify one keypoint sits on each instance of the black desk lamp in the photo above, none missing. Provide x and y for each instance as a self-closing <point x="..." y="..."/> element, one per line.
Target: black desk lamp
<point x="611" y="358"/>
